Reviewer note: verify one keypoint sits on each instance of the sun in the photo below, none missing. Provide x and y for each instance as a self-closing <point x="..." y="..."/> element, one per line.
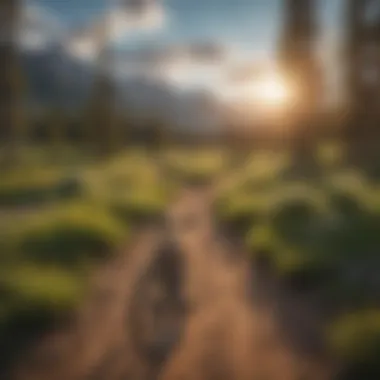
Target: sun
<point x="272" y="91"/>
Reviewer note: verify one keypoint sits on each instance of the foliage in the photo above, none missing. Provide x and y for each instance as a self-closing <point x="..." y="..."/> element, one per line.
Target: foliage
<point x="200" y="166"/>
<point x="323" y="231"/>
<point x="29" y="186"/>
<point x="304" y="224"/>
<point x="355" y="339"/>
<point x="69" y="234"/>
<point x="59" y="218"/>
<point x="30" y="286"/>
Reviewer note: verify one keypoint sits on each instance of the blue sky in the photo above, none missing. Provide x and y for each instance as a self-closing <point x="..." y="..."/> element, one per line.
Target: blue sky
<point x="157" y="42"/>
<point x="249" y="29"/>
<point x="250" y="24"/>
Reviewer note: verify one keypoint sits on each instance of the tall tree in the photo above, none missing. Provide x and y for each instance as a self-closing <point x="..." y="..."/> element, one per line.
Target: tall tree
<point x="102" y="110"/>
<point x="102" y="113"/>
<point x="11" y="80"/>
<point x="57" y="119"/>
<point x="299" y="64"/>
<point x="363" y="68"/>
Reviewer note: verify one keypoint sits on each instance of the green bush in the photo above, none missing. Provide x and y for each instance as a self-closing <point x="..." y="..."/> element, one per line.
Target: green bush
<point x="70" y="187"/>
<point x="70" y="235"/>
<point x="240" y="213"/>
<point x="291" y="262"/>
<point x="286" y="227"/>
<point x="345" y="205"/>
<point x="137" y="210"/>
<point x="355" y="340"/>
<point x="331" y="155"/>
<point x="47" y="250"/>
<point x="262" y="242"/>
<point x="41" y="287"/>
<point x="196" y="168"/>
<point x="350" y="228"/>
<point x="24" y="188"/>
<point x="321" y="231"/>
<point x="34" y="298"/>
<point x="295" y="219"/>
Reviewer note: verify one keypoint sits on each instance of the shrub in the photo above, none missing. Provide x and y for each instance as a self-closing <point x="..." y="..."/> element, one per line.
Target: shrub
<point x="68" y="188"/>
<point x="241" y="213"/>
<point x="137" y="210"/>
<point x="297" y="263"/>
<point x="355" y="339"/>
<point x="70" y="235"/>
<point x="262" y="238"/>
<point x="196" y="169"/>
<point x="294" y="219"/>
<point x="330" y="155"/>
<point x="346" y="205"/>
<point x="23" y="188"/>
<point x="33" y="299"/>
<point x="32" y="287"/>
<point x="351" y="229"/>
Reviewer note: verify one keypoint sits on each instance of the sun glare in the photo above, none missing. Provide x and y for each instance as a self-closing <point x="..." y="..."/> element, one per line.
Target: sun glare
<point x="269" y="92"/>
<point x="272" y="91"/>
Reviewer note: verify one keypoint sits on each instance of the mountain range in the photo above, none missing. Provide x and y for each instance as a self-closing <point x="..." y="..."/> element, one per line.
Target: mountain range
<point x="54" y="77"/>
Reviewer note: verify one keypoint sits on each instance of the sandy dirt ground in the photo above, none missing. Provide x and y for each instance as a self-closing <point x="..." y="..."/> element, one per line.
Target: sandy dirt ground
<point x="231" y="330"/>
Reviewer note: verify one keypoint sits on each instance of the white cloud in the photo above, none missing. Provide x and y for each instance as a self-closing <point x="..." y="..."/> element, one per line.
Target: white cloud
<point x="186" y="65"/>
<point x="37" y="27"/>
<point x="33" y="41"/>
<point x="118" y="22"/>
<point x="193" y="75"/>
<point x="81" y="47"/>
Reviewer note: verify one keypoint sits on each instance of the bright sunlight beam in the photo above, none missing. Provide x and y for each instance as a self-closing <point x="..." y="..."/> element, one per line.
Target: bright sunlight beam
<point x="272" y="92"/>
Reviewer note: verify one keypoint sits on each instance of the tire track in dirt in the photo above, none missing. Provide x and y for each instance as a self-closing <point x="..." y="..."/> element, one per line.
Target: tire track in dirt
<point x="227" y="336"/>
<point x="97" y="339"/>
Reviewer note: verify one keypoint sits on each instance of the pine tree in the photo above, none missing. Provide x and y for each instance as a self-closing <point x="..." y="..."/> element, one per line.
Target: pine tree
<point x="102" y="107"/>
<point x="362" y="57"/>
<point x="102" y="116"/>
<point x="11" y="81"/>
<point x="58" y="114"/>
<point x="57" y="125"/>
<point x="299" y="64"/>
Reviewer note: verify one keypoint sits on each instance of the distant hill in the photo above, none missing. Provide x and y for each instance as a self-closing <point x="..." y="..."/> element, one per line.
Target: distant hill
<point x="54" y="77"/>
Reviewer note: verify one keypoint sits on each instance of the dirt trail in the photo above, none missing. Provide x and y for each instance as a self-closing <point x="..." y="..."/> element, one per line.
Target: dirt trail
<point x="230" y="335"/>
<point x="227" y="334"/>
